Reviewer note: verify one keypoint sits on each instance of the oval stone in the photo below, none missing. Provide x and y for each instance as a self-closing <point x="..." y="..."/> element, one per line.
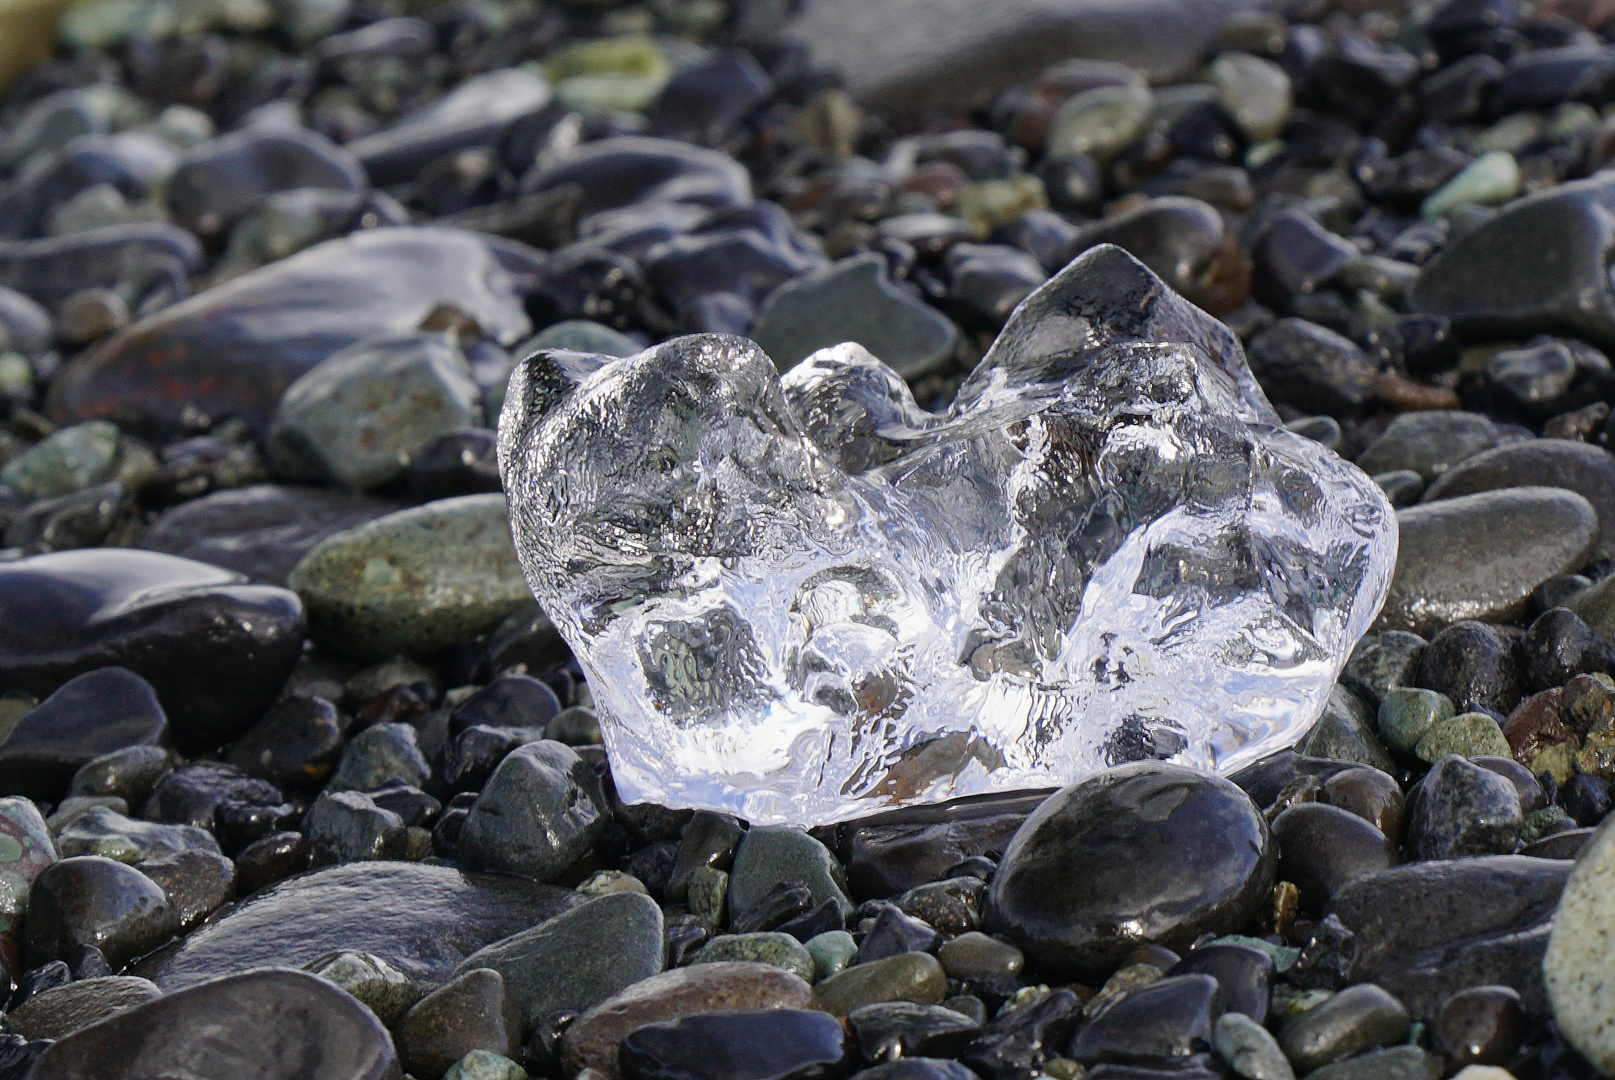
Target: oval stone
<point x="1587" y="470"/>
<point x="1148" y="852"/>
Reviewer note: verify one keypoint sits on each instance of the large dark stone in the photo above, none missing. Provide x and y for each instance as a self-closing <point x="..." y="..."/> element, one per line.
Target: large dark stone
<point x="263" y="530"/>
<point x="423" y="920"/>
<point x="758" y="1044"/>
<point x="234" y="349"/>
<point x="215" y="649"/>
<point x="262" y="1025"/>
<point x="223" y="180"/>
<point x="54" y="269"/>
<point x="92" y="714"/>
<point x="1587" y="470"/>
<point x="1148" y="852"/>
<point x="1427" y="930"/>
<point x="91" y="900"/>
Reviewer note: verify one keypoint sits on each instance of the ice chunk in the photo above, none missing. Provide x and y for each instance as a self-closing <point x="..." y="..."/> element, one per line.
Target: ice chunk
<point x="804" y="599"/>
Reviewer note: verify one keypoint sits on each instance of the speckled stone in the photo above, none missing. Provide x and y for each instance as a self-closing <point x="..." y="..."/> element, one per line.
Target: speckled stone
<point x="762" y="947"/>
<point x="415" y="582"/>
<point x="62" y="1010"/>
<point x="1581" y="954"/>
<point x="384" y="989"/>
<point x="70" y="460"/>
<point x="26" y="849"/>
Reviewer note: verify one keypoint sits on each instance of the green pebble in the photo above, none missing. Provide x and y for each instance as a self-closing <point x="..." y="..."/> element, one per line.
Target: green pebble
<point x="1406" y="713"/>
<point x="1101" y="122"/>
<point x="911" y="976"/>
<point x="708" y="892"/>
<point x="1544" y="822"/>
<point x="1490" y="180"/>
<point x="974" y="954"/>
<point x="764" y="947"/>
<point x="485" y="1065"/>
<point x="1467" y="734"/>
<point x="70" y="460"/>
<point x="832" y="951"/>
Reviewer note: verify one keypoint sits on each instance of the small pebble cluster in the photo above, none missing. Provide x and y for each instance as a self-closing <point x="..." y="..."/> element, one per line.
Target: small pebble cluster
<point x="300" y="784"/>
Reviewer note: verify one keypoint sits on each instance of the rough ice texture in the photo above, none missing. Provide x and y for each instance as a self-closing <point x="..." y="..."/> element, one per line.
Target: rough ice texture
<point x="804" y="599"/>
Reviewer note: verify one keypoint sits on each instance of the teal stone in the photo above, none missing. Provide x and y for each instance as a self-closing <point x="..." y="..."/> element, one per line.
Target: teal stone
<point x="771" y="854"/>
<point x="580" y="335"/>
<point x="832" y="951"/>
<point x="764" y="947"/>
<point x="485" y="1065"/>
<point x="71" y="460"/>
<point x="1406" y="713"/>
<point x="417" y="582"/>
<point x="852" y="300"/>
<point x="25" y="850"/>
<point x="1490" y="180"/>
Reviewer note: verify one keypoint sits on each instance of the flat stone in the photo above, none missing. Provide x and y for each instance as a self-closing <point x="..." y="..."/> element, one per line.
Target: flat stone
<point x="53" y="269"/>
<point x="896" y="53"/>
<point x="1429" y="443"/>
<point x="781" y="1043"/>
<point x="101" y="831"/>
<point x="1427" y="930"/>
<point x="58" y="1012"/>
<point x="92" y="714"/>
<point x="1587" y="470"/>
<point x="262" y="530"/>
<point x="222" y="180"/>
<point x="423" y="920"/>
<point x="593" y="1039"/>
<point x="415" y="582"/>
<point x="215" y="649"/>
<point x="852" y="300"/>
<point x="1160" y="850"/>
<point x="234" y="349"/>
<point x="579" y="958"/>
<point x="1481" y="556"/>
<point x="268" y="1025"/>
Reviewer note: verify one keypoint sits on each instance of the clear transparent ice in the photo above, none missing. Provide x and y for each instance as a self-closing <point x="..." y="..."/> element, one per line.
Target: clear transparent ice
<point x="803" y="599"/>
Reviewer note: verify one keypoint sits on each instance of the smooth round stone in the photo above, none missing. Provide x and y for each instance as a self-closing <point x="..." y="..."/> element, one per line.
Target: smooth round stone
<point x="62" y="1010"/>
<point x="1576" y="466"/>
<point x="1143" y="853"/>
<point x="1323" y="847"/>
<point x="1462" y="809"/>
<point x="1249" y="1049"/>
<point x="1580" y="951"/>
<point x="1372" y="795"/>
<point x="756" y="1044"/>
<point x="763" y="947"/>
<point x="1475" y="666"/>
<point x="852" y="300"/>
<point x="630" y="169"/>
<point x="579" y="958"/>
<point x="1490" y="180"/>
<point x="537" y="814"/>
<point x="592" y="1040"/>
<point x="101" y="831"/>
<point x="1468" y="734"/>
<point x="832" y="951"/>
<point x="1481" y="556"/>
<point x="96" y="713"/>
<point x="1429" y="443"/>
<point x="469" y="1012"/>
<point x="269" y="1025"/>
<point x="71" y="460"/>
<point x="975" y="955"/>
<point x="1480" y="1026"/>
<point x="1188" y="244"/>
<point x="1353" y="1020"/>
<point x="382" y="988"/>
<point x="262" y="530"/>
<point x="415" y="582"/>
<point x="911" y="976"/>
<point x="1345" y="732"/>
<point x="215" y="649"/>
<point x="475" y="113"/>
<point x="234" y="349"/>
<point x="1254" y="92"/>
<point x="705" y="103"/>
<point x="93" y="900"/>
<point x="1402" y="486"/>
<point x="1396" y="1063"/>
<point x="296" y="745"/>
<point x="772" y="854"/>
<point x="1244" y="976"/>
<point x="360" y="417"/>
<point x="1406" y="713"/>
<point x="423" y="920"/>
<point x="1169" y="1018"/>
<point x="1101" y="122"/>
<point x="53" y="269"/>
<point x="197" y="883"/>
